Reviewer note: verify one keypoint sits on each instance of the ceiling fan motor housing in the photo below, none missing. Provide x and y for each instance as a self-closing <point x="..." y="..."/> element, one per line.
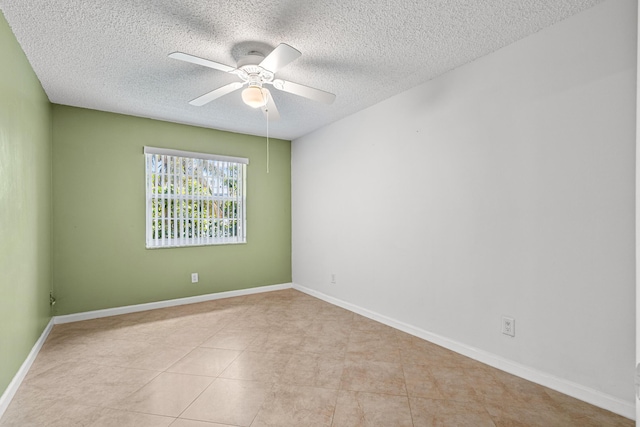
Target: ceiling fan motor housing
<point x="254" y="80"/>
<point x="252" y="72"/>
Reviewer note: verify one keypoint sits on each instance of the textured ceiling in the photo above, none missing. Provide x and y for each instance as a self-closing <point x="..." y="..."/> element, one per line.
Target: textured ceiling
<point x="112" y="55"/>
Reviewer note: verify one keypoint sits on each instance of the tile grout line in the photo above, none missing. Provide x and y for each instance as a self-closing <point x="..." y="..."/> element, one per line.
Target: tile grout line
<point x="282" y="307"/>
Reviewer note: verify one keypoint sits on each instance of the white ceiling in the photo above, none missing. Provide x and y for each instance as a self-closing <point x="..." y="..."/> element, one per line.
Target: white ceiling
<point x="111" y="55"/>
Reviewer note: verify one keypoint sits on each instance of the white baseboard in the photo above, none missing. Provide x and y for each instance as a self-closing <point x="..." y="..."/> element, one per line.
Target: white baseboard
<point x="578" y="391"/>
<point x="13" y="386"/>
<point x="107" y="312"/>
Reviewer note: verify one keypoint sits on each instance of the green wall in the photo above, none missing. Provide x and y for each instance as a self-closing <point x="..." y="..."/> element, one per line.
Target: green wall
<point x="89" y="237"/>
<point x="99" y="214"/>
<point x="25" y="206"/>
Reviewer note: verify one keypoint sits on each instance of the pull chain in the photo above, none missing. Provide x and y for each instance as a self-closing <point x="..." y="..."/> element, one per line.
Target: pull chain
<point x="267" y="110"/>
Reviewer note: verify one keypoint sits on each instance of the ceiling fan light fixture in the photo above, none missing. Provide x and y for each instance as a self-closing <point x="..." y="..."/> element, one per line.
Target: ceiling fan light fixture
<point x="254" y="97"/>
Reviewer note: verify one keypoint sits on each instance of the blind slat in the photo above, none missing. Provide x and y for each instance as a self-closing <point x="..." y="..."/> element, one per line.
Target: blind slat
<point x="149" y="207"/>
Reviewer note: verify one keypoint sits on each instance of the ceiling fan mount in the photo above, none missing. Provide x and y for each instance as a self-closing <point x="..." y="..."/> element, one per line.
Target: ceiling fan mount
<point x="252" y="57"/>
<point x="254" y="71"/>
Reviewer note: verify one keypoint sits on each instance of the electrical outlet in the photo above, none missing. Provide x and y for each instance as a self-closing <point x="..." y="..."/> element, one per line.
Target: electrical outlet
<point x="508" y="326"/>
<point x="333" y="279"/>
<point x="194" y="277"/>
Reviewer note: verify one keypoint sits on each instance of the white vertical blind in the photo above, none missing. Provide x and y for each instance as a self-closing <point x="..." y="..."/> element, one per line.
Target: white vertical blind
<point x="149" y="187"/>
<point x="194" y="198"/>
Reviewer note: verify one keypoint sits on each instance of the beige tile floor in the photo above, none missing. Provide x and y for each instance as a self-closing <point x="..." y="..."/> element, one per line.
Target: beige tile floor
<point x="273" y="359"/>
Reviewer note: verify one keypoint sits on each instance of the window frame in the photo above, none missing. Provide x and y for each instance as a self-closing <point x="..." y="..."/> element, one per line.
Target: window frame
<point x="198" y="190"/>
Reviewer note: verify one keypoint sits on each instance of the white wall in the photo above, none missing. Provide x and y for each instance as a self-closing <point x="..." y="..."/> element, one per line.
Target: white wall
<point x="504" y="187"/>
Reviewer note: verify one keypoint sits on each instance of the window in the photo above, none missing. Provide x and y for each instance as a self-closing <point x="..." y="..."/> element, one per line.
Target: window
<point x="194" y="199"/>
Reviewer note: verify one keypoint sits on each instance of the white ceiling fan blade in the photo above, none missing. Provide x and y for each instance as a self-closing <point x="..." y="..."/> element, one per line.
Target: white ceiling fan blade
<point x="215" y="94"/>
<point x="201" y="61"/>
<point x="304" y="91"/>
<point x="279" y="57"/>
<point x="269" y="109"/>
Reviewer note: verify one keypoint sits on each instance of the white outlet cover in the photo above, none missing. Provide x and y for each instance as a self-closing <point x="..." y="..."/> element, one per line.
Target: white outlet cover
<point x="508" y="326"/>
<point x="194" y="277"/>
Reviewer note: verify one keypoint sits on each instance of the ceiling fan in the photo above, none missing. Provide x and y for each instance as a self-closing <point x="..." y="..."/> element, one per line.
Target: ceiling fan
<point x="255" y="71"/>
